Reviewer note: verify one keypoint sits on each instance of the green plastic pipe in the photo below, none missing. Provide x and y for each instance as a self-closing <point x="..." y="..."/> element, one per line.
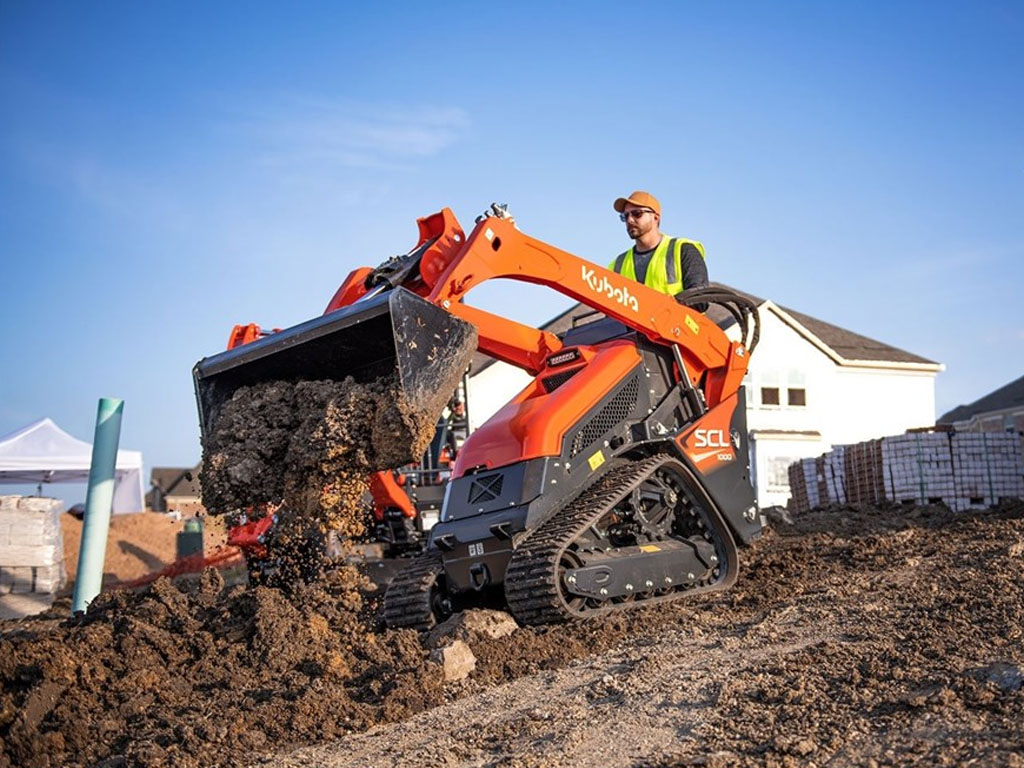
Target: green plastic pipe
<point x="98" y="502"/>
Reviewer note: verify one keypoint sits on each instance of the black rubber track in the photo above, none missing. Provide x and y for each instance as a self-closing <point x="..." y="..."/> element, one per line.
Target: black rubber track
<point x="408" y="601"/>
<point x="531" y="581"/>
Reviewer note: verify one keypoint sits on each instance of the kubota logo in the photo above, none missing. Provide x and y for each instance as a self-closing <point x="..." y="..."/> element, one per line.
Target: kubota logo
<point x="710" y="438"/>
<point x="620" y="295"/>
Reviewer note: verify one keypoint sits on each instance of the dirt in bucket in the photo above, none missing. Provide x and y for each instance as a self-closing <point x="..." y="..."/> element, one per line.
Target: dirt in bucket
<point x="309" y="446"/>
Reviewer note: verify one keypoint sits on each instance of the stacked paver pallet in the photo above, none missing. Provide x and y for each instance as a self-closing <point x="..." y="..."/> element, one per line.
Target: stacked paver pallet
<point x="918" y="468"/>
<point x="834" y="470"/>
<point x="962" y="470"/>
<point x="31" y="546"/>
<point x="986" y="468"/>
<point x="864" y="473"/>
<point x="803" y="484"/>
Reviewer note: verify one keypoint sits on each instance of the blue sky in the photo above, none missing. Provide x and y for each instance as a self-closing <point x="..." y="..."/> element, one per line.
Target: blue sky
<point x="170" y="169"/>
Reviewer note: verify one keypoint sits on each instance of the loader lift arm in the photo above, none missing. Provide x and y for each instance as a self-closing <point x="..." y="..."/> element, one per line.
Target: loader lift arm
<point x="497" y="249"/>
<point x="446" y="265"/>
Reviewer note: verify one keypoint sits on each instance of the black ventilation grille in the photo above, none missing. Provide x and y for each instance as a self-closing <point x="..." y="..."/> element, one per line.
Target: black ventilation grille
<point x="614" y="412"/>
<point x="553" y="382"/>
<point x="487" y="488"/>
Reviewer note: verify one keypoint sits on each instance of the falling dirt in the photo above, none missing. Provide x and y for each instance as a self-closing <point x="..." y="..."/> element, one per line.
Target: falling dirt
<point x="304" y="450"/>
<point x="310" y="446"/>
<point x="853" y="637"/>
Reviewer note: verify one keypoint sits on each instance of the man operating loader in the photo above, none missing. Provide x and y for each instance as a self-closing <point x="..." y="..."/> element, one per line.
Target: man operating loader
<point x="667" y="264"/>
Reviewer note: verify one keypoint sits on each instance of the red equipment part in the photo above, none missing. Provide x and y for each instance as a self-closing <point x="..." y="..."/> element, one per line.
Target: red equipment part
<point x="386" y="489"/>
<point x="250" y="537"/>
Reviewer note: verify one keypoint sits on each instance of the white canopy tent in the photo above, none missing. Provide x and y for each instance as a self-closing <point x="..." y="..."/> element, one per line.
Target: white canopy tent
<point x="42" y="452"/>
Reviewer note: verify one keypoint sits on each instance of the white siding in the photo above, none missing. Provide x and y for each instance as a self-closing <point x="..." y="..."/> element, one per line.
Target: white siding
<point x="492" y="388"/>
<point x="844" y="404"/>
<point x="868" y="403"/>
<point x="785" y="360"/>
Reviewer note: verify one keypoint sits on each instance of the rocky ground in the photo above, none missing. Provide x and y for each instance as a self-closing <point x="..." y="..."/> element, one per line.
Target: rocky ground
<point x="853" y="637"/>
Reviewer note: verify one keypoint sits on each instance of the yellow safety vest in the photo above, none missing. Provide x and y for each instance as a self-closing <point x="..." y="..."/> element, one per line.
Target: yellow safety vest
<point x="663" y="274"/>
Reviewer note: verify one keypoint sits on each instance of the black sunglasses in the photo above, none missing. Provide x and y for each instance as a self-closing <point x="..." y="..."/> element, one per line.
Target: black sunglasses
<point x="634" y="214"/>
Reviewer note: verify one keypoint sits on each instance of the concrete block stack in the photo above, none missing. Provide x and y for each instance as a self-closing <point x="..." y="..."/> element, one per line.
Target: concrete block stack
<point x="803" y="485"/>
<point x="834" y="471"/>
<point x="986" y="468"/>
<point x="918" y="469"/>
<point x="864" y="473"/>
<point x="962" y="470"/>
<point x="31" y="547"/>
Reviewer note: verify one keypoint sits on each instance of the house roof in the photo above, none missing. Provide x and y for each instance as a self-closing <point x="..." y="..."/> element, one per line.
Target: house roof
<point x="845" y="344"/>
<point x="1009" y="396"/>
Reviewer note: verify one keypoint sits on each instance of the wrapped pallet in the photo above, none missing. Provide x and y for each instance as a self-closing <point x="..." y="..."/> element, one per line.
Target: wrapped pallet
<point x="809" y="467"/>
<point x="835" y="474"/>
<point x="987" y="468"/>
<point x="31" y="546"/>
<point x="863" y="473"/>
<point x="798" y="501"/>
<point x="918" y="468"/>
<point x="821" y="481"/>
<point x="803" y="486"/>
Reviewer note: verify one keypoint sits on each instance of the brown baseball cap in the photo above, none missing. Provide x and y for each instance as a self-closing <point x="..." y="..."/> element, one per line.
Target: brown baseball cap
<point x="643" y="199"/>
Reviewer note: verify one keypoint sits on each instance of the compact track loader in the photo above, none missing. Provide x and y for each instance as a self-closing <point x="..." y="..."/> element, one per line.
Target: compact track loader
<point x="618" y="477"/>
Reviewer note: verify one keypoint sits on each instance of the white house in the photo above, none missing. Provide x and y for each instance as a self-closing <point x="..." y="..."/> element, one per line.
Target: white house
<point x="810" y="385"/>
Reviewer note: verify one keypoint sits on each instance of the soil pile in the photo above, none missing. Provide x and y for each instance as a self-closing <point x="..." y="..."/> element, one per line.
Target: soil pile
<point x="203" y="675"/>
<point x="852" y="636"/>
<point x="138" y="544"/>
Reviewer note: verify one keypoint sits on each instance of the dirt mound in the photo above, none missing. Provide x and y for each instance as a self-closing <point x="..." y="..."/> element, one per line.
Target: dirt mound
<point x="202" y="677"/>
<point x="852" y="635"/>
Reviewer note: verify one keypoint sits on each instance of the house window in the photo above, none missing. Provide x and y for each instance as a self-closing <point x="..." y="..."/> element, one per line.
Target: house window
<point x="796" y="396"/>
<point x="769" y="395"/>
<point x="778" y="473"/>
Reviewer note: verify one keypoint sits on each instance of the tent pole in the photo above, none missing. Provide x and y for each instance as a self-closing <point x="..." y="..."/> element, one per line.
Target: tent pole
<point x="98" y="502"/>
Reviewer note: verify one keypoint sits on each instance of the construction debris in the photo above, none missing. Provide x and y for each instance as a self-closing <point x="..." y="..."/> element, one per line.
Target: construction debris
<point x="31" y="548"/>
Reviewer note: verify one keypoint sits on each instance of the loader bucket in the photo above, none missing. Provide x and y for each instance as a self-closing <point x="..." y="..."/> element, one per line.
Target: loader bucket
<point x="395" y="333"/>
